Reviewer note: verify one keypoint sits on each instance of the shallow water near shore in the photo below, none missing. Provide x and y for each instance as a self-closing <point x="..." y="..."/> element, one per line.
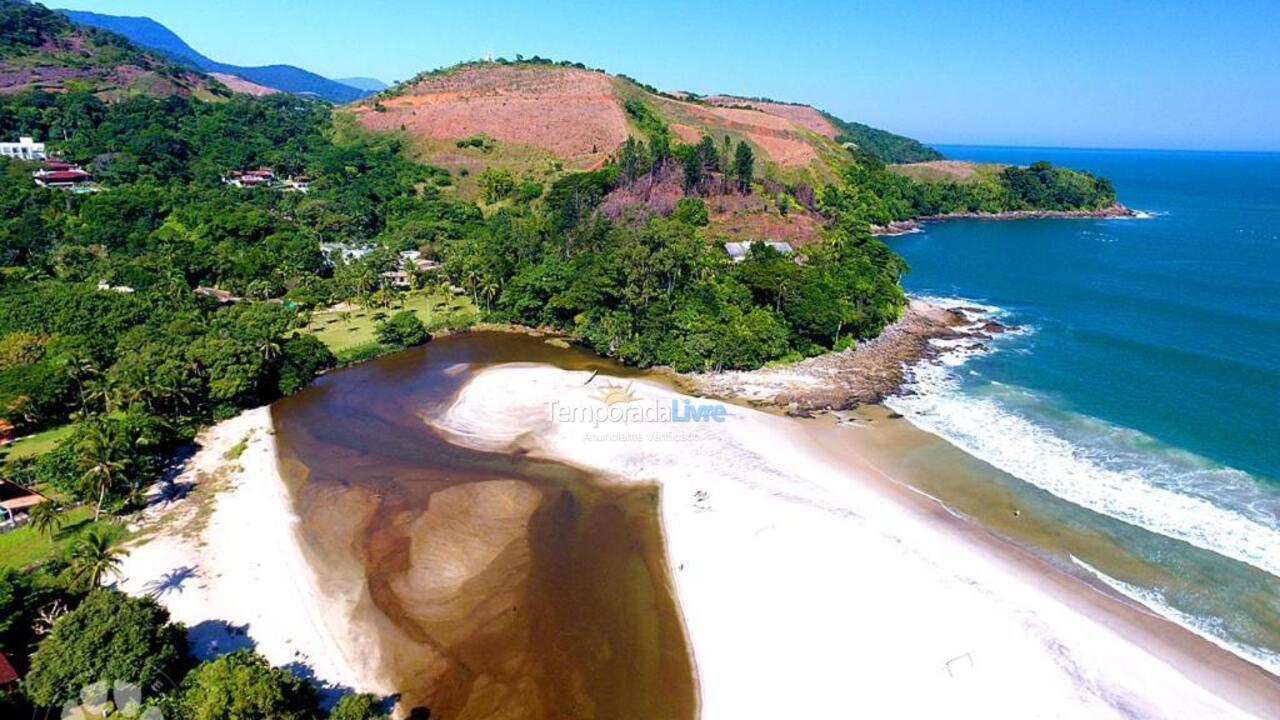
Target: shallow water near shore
<point x="1139" y="407"/>
<point x="498" y="585"/>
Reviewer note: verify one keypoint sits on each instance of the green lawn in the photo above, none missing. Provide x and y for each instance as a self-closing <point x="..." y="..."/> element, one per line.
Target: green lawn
<point x="26" y="546"/>
<point x="38" y="444"/>
<point x="346" y="333"/>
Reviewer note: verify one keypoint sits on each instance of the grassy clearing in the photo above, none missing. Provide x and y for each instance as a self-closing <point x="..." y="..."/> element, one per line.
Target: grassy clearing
<point x="959" y="171"/>
<point x="39" y="443"/>
<point x="524" y="162"/>
<point x="353" y="334"/>
<point x="27" y="546"/>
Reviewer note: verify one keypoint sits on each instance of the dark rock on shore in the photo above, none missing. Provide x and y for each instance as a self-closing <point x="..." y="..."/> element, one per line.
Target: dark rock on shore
<point x="843" y="380"/>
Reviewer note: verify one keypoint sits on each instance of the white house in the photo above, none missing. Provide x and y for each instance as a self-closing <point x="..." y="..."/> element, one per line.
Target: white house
<point x="25" y="149"/>
<point x="346" y="252"/>
<point x="738" y="250"/>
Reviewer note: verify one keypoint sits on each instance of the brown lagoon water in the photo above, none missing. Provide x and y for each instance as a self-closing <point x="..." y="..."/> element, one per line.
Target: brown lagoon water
<point x="491" y="585"/>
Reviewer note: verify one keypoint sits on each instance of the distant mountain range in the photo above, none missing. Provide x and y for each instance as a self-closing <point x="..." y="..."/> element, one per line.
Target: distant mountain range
<point x="364" y="83"/>
<point x="150" y="34"/>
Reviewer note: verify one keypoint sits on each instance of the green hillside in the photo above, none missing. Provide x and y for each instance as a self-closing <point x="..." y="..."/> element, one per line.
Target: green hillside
<point x="42" y="50"/>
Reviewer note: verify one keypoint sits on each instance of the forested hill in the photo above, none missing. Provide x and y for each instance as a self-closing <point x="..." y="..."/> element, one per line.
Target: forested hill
<point x="152" y="35"/>
<point x="883" y="144"/>
<point x="41" y="49"/>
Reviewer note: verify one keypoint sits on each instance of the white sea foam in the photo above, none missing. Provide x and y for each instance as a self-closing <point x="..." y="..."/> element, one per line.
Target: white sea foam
<point x="996" y="432"/>
<point x="1204" y="627"/>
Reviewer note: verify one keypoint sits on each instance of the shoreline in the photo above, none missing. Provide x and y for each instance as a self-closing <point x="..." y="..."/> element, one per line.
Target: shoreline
<point x="913" y="225"/>
<point x="1213" y="665"/>
<point x="225" y="559"/>
<point x="752" y="535"/>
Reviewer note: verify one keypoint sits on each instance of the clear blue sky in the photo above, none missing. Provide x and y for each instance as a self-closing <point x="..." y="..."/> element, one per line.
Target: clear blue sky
<point x="1088" y="73"/>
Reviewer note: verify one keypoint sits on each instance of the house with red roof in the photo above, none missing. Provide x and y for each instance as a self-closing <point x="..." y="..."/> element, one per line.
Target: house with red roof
<point x="261" y="177"/>
<point x="69" y="178"/>
<point x="8" y="676"/>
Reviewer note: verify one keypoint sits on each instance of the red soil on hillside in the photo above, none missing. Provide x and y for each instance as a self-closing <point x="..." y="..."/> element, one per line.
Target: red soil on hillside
<point x="802" y="115"/>
<point x="750" y="217"/>
<point x="733" y="216"/>
<point x="240" y="85"/>
<point x="569" y="112"/>
<point x="781" y="139"/>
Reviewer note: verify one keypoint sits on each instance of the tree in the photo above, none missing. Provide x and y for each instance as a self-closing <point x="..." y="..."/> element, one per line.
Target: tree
<point x="103" y="461"/>
<point x="94" y="557"/>
<point x="46" y="517"/>
<point x="633" y="159"/>
<point x="110" y="637"/>
<point x="496" y="184"/>
<point x="358" y="706"/>
<point x="304" y="357"/>
<point x="243" y="686"/>
<point x="743" y="166"/>
<point x="403" y="329"/>
<point x="691" y="210"/>
<point x="692" y="165"/>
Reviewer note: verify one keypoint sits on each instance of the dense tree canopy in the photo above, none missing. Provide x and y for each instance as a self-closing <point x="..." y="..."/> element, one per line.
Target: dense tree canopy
<point x="109" y="637"/>
<point x="243" y="686"/>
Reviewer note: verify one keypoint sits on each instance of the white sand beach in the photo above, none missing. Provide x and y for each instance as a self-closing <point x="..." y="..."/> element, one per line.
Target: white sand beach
<point x="226" y="562"/>
<point x="810" y="588"/>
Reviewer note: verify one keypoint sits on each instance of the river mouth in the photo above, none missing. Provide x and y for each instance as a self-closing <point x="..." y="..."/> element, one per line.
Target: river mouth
<point x="487" y="584"/>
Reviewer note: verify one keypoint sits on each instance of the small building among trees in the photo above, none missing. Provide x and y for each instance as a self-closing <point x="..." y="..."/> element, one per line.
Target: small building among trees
<point x="15" y="504"/>
<point x="24" y="149"/>
<point x="62" y="176"/>
<point x="738" y="250"/>
<point x="261" y="177"/>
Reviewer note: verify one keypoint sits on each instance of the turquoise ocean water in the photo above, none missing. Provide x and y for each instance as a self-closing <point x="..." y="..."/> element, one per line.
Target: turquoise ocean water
<point x="1142" y="400"/>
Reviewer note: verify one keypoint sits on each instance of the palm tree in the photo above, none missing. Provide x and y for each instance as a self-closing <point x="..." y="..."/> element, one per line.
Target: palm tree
<point x="46" y="517"/>
<point x="80" y="369"/>
<point x="490" y="291"/>
<point x="94" y="557"/>
<point x="97" y="392"/>
<point x="103" y="462"/>
<point x="270" y="349"/>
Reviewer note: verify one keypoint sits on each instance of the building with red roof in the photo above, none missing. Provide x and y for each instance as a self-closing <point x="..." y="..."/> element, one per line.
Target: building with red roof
<point x="61" y="178"/>
<point x="8" y="676"/>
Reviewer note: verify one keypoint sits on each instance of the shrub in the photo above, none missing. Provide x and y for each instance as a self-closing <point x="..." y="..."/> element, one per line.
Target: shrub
<point x="361" y="706"/>
<point x="403" y="329"/>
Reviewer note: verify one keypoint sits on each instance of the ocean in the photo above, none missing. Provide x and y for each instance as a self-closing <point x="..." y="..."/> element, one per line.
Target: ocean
<point x="1140" y="398"/>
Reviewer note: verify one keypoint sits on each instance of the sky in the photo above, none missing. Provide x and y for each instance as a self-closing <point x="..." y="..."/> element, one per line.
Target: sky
<point x="1088" y="73"/>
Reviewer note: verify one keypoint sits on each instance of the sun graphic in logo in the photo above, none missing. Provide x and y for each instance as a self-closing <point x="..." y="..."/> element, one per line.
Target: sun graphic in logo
<point x="611" y="394"/>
